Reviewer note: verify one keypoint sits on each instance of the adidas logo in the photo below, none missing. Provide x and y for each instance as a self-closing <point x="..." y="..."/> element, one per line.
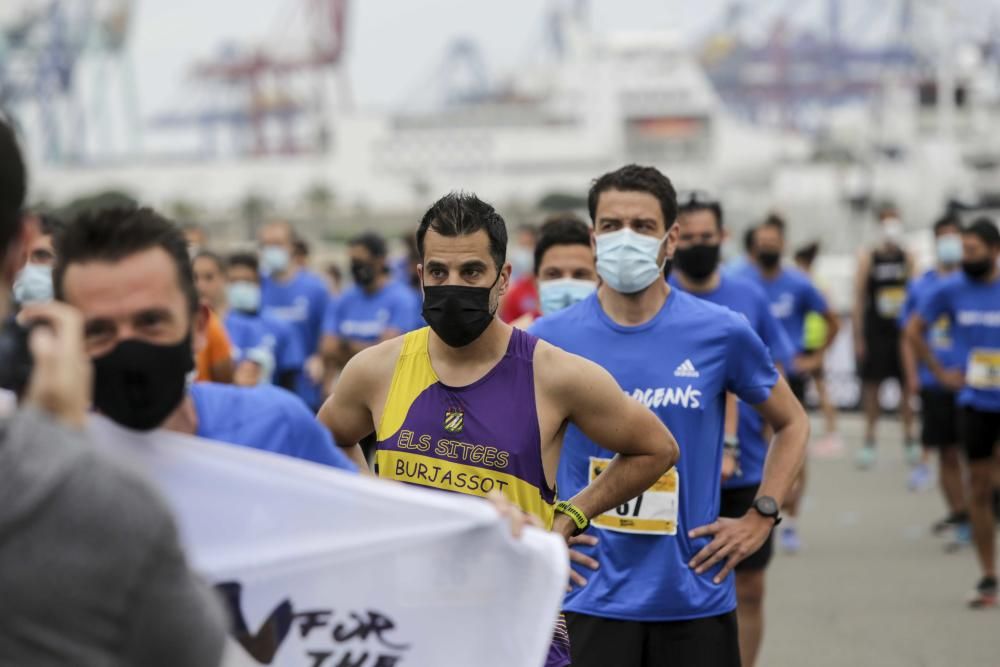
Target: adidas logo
<point x="686" y="370"/>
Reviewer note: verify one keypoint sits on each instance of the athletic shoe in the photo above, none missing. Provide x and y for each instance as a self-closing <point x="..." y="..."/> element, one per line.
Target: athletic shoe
<point x="920" y="478"/>
<point x="985" y="595"/>
<point x="828" y="447"/>
<point x="789" y="538"/>
<point x="866" y="457"/>
<point x="962" y="538"/>
<point x="914" y="454"/>
<point x="951" y="521"/>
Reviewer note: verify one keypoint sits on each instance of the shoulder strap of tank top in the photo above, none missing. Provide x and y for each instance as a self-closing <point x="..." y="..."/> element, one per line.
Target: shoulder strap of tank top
<point x="412" y="375"/>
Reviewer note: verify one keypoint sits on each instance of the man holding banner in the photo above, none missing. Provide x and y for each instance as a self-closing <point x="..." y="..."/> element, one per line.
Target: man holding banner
<point x="472" y="405"/>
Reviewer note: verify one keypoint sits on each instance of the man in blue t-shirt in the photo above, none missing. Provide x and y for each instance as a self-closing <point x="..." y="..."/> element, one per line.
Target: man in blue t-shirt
<point x="971" y="303"/>
<point x="297" y="297"/>
<point x="128" y="273"/>
<point x="662" y="593"/>
<point x="792" y="296"/>
<point x="939" y="416"/>
<point x="696" y="271"/>
<point x="375" y="309"/>
<point x="254" y="333"/>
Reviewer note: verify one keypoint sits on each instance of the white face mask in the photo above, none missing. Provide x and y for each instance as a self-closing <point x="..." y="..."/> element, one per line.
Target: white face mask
<point x="627" y="261"/>
<point x="554" y="295"/>
<point x="243" y="296"/>
<point x="892" y="231"/>
<point x="274" y="259"/>
<point x="33" y="284"/>
<point x="948" y="249"/>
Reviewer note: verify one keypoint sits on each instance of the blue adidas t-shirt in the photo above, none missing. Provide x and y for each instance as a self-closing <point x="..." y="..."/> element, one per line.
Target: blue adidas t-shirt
<point x="267" y="418"/>
<point x="364" y="317"/>
<point x="747" y="299"/>
<point x="792" y="296"/>
<point x="973" y="309"/>
<point x="248" y="331"/>
<point x="680" y="364"/>
<point x="938" y="335"/>
<point x="301" y="303"/>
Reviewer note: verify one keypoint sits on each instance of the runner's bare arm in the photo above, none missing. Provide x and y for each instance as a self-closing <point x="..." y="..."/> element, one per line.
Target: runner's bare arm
<point x="592" y="400"/>
<point x="347" y="412"/>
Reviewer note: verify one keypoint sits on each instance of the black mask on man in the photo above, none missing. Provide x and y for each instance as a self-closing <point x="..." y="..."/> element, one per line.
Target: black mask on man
<point x="458" y="314"/>
<point x="769" y="258"/>
<point x="979" y="269"/>
<point x="363" y="273"/>
<point x="138" y="384"/>
<point x="697" y="261"/>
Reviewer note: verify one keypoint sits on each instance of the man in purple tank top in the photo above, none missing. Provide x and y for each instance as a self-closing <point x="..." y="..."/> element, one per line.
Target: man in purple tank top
<point x="474" y="406"/>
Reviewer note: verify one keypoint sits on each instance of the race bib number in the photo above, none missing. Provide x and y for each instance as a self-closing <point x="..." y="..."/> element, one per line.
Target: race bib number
<point x="889" y="301"/>
<point x="652" y="512"/>
<point x="983" y="369"/>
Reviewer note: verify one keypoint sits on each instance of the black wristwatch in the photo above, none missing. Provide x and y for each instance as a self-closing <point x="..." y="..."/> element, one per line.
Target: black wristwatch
<point x="767" y="506"/>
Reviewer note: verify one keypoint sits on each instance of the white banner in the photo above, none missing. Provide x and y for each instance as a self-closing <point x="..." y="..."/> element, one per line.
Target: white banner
<point x="326" y="569"/>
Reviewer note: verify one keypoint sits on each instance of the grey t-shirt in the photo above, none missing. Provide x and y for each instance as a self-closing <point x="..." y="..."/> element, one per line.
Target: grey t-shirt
<point x="91" y="571"/>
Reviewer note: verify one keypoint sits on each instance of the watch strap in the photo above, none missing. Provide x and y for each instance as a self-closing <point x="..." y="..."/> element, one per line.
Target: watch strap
<point x="579" y="519"/>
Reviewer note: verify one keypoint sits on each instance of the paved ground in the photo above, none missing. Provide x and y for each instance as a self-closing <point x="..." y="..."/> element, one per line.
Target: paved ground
<point x="872" y="585"/>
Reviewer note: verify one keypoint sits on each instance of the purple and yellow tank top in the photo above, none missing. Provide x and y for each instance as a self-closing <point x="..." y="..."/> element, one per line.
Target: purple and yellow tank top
<point x="474" y="439"/>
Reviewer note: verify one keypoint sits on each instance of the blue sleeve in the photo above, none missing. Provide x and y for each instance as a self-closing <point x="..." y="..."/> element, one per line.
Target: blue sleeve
<point x="314" y="442"/>
<point x="936" y="303"/>
<point x="814" y="299"/>
<point x="331" y="318"/>
<point x="750" y="373"/>
<point x="401" y="313"/>
<point x="289" y="353"/>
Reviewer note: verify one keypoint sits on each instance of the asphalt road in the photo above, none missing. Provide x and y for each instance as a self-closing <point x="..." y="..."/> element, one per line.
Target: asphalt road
<point x="872" y="586"/>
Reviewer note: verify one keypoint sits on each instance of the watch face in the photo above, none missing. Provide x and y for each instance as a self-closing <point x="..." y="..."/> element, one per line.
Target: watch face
<point x="767" y="506"/>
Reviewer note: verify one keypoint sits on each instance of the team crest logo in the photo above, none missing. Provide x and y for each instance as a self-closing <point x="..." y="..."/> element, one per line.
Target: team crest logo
<point x="454" y="420"/>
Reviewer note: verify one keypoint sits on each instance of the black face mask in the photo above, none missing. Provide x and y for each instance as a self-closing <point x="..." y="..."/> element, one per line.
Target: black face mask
<point x="458" y="314"/>
<point x="979" y="269"/>
<point x="363" y="273"/>
<point x="769" y="258"/>
<point x="139" y="384"/>
<point x="698" y="261"/>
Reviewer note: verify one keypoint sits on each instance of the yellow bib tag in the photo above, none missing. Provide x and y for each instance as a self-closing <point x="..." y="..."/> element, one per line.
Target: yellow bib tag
<point x="983" y="371"/>
<point x="889" y="301"/>
<point x="653" y="512"/>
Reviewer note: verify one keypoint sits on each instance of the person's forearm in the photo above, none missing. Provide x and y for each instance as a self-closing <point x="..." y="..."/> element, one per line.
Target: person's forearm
<point x="626" y="477"/>
<point x="732" y="415"/>
<point x="357" y="456"/>
<point x="832" y="329"/>
<point x="909" y="360"/>
<point x="784" y="459"/>
<point x="914" y="335"/>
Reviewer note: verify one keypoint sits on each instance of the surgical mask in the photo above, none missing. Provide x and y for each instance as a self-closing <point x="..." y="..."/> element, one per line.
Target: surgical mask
<point x="363" y="273"/>
<point x="522" y="261"/>
<point x="243" y="296"/>
<point x="769" y="258"/>
<point x="979" y="269"/>
<point x="458" y="314"/>
<point x="627" y="261"/>
<point x="138" y="384"/>
<point x="697" y="262"/>
<point x="892" y="231"/>
<point x="274" y="259"/>
<point x="948" y="249"/>
<point x="33" y="284"/>
<point x="555" y="295"/>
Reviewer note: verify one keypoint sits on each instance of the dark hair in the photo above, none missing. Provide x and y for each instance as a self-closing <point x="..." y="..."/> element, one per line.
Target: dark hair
<point x="947" y="220"/>
<point x="49" y="225"/>
<point x="775" y="221"/>
<point x="13" y="186"/>
<point x="560" y="229"/>
<point x="247" y="259"/>
<point x="807" y="253"/>
<point x="212" y="257"/>
<point x="111" y="235"/>
<point x="986" y="230"/>
<point x="300" y="247"/>
<point x="334" y="272"/>
<point x="748" y="236"/>
<point x="693" y="201"/>
<point x="634" y="178"/>
<point x="373" y="242"/>
<point x="460" y="214"/>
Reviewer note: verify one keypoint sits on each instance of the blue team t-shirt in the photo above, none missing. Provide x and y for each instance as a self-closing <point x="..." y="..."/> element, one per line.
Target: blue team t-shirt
<point x="248" y="331"/>
<point x="680" y="364"/>
<point x="267" y="418"/>
<point x="301" y="302"/>
<point x="360" y="316"/>
<point x="973" y="309"/>
<point x="749" y="300"/>
<point x="938" y="335"/>
<point x="792" y="296"/>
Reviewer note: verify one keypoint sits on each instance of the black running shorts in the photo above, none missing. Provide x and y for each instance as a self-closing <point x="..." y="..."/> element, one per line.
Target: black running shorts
<point x="701" y="642"/>
<point x="881" y="360"/>
<point x="735" y="503"/>
<point x="939" y="418"/>
<point x="980" y="433"/>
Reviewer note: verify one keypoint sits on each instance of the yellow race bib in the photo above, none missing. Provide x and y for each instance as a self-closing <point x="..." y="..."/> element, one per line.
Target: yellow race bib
<point x="983" y="369"/>
<point x="653" y="512"/>
<point x="889" y="301"/>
